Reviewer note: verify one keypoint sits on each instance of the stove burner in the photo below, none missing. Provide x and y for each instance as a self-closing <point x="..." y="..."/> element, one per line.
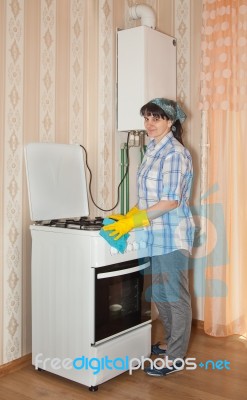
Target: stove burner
<point x="84" y="223"/>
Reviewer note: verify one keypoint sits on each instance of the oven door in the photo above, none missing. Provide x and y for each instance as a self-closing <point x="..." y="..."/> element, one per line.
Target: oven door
<point x="122" y="298"/>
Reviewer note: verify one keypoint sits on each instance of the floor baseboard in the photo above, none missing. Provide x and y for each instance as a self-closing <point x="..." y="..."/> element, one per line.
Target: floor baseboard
<point x="198" y="324"/>
<point x="15" y="364"/>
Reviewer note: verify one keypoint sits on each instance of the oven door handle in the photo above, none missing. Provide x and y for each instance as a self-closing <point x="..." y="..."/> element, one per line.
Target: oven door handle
<point x="111" y="274"/>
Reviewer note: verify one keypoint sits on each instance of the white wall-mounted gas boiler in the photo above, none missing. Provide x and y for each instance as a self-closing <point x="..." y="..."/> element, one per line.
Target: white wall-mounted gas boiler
<point x="146" y="69"/>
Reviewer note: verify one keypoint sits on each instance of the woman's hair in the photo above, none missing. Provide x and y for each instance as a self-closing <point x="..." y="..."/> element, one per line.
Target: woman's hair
<point x="151" y="109"/>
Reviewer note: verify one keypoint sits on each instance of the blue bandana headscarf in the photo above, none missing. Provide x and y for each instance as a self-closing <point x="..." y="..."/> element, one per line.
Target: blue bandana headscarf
<point x="171" y="109"/>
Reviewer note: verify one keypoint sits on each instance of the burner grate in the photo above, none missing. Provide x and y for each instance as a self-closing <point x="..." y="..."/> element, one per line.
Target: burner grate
<point x="84" y="223"/>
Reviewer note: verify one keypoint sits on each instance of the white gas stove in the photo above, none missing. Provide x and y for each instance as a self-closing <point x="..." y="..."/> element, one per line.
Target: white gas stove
<point x="89" y="302"/>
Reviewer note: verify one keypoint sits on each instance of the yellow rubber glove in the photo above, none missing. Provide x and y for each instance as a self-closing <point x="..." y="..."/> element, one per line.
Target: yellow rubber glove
<point x="126" y="224"/>
<point x="116" y="217"/>
<point x="131" y="212"/>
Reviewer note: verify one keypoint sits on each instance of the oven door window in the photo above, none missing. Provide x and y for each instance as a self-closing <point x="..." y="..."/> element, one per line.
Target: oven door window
<point x="122" y="297"/>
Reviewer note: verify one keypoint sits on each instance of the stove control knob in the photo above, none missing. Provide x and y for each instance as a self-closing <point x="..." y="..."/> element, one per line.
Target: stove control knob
<point x="129" y="247"/>
<point x="136" y="245"/>
<point x="143" y="245"/>
<point x="113" y="251"/>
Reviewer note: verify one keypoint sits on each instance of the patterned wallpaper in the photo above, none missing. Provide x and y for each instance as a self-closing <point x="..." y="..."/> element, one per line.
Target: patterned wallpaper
<point x="47" y="75"/>
<point x="182" y="34"/>
<point x="42" y="70"/>
<point x="57" y="73"/>
<point x="12" y="180"/>
<point x="106" y="101"/>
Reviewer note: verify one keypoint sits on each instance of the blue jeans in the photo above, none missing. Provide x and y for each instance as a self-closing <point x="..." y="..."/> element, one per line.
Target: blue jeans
<point x="170" y="292"/>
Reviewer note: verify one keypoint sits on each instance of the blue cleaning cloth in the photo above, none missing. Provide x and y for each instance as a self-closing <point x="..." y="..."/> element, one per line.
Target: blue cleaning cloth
<point x="119" y="244"/>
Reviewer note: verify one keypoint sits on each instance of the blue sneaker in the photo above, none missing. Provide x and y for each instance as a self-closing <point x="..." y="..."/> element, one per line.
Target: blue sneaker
<point x="155" y="349"/>
<point x="179" y="366"/>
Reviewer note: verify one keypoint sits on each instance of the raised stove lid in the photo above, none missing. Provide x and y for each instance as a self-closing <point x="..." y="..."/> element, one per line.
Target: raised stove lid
<point x="56" y="181"/>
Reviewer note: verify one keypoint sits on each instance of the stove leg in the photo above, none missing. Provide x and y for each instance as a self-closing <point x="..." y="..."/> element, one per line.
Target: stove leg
<point x="93" y="388"/>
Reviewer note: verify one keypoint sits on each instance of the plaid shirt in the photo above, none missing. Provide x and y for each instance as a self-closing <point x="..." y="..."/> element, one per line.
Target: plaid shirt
<point x="166" y="174"/>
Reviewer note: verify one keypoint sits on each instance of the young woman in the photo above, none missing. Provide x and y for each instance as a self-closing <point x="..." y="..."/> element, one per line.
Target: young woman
<point x="164" y="182"/>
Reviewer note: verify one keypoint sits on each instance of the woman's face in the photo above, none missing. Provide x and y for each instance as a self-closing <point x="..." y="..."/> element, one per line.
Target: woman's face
<point x="156" y="127"/>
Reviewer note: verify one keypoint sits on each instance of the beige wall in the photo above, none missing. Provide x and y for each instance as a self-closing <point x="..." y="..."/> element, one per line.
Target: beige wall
<point x="57" y="78"/>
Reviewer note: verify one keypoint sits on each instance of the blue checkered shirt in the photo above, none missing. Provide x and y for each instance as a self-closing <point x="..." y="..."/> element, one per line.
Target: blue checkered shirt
<point x="166" y="174"/>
